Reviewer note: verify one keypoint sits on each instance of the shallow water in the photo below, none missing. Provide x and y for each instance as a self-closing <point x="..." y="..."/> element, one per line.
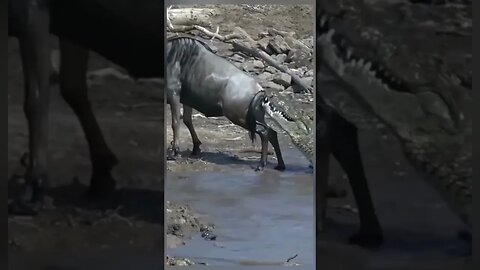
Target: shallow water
<point x="259" y="217"/>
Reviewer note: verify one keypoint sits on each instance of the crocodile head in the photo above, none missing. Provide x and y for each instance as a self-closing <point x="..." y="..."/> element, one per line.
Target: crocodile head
<point x="299" y="130"/>
<point x="430" y="114"/>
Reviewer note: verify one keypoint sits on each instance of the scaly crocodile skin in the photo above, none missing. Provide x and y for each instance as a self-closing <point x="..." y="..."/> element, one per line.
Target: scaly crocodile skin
<point x="434" y="127"/>
<point x="299" y="130"/>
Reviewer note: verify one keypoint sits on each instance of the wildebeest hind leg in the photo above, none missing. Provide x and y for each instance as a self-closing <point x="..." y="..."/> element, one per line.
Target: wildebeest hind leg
<point x="33" y="40"/>
<point x="187" y="120"/>
<point x="73" y="87"/>
<point x="273" y="138"/>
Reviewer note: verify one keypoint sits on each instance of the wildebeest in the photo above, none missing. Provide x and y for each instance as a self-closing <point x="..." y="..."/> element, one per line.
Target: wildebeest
<point x="210" y="84"/>
<point x="127" y="32"/>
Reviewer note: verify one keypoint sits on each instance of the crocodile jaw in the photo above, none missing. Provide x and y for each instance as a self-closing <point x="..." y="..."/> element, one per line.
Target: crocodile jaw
<point x="299" y="131"/>
<point x="436" y="139"/>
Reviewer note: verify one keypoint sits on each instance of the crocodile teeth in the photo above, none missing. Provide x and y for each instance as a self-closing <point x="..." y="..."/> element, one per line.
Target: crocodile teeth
<point x="323" y="20"/>
<point x="360" y="62"/>
<point x="330" y="34"/>
<point x="353" y="62"/>
<point x="349" y="53"/>
<point x="368" y="65"/>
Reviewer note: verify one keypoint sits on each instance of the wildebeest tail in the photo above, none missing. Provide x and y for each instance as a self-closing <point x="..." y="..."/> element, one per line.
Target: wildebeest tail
<point x="255" y="108"/>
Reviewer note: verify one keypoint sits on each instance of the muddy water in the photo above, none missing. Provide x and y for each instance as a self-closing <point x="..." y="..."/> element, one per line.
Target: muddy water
<point x="259" y="218"/>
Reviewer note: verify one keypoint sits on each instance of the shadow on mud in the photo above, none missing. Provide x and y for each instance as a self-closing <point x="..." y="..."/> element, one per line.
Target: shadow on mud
<point x="398" y="240"/>
<point x="226" y="159"/>
<point x="140" y="204"/>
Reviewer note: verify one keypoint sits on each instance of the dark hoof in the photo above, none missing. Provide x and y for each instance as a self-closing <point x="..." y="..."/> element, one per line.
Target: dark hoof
<point x="172" y="153"/>
<point x="196" y="152"/>
<point x="21" y="208"/>
<point x="280" y="168"/>
<point x="101" y="185"/>
<point x="30" y="200"/>
<point x="370" y="240"/>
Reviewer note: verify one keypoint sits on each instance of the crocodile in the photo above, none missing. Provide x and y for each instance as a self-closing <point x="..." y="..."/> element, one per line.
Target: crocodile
<point x="425" y="102"/>
<point x="300" y="130"/>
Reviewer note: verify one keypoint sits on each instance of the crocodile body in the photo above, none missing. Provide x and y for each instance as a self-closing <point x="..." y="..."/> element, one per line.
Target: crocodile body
<point x="432" y="119"/>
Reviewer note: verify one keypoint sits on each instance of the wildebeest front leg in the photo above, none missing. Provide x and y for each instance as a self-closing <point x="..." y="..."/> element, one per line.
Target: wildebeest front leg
<point x="187" y="120"/>
<point x="262" y="131"/>
<point x="73" y="87"/>
<point x="344" y="145"/>
<point x="273" y="138"/>
<point x="175" y="109"/>
<point x="33" y="29"/>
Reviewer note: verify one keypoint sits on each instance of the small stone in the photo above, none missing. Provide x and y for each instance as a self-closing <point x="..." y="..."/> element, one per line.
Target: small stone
<point x="283" y="79"/>
<point x="264" y="77"/>
<point x="263" y="43"/>
<point x="278" y="45"/>
<point x="258" y="64"/>
<point x="271" y="69"/>
<point x="273" y="86"/>
<point x="248" y="66"/>
<point x="309" y="80"/>
<point x="280" y="58"/>
<point x="237" y="58"/>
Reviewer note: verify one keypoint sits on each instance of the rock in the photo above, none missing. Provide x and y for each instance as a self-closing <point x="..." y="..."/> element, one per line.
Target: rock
<point x="238" y="65"/>
<point x="263" y="43"/>
<point x="299" y="57"/>
<point x="237" y="58"/>
<point x="309" y="80"/>
<point x="272" y="85"/>
<point x="247" y="66"/>
<point x="297" y="89"/>
<point x="282" y="79"/>
<point x="278" y="45"/>
<point x="280" y="58"/>
<point x="271" y="69"/>
<point x="258" y="64"/>
<point x="264" y="77"/>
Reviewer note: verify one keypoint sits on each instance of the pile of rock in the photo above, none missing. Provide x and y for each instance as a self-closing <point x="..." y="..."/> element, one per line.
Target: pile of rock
<point x="296" y="54"/>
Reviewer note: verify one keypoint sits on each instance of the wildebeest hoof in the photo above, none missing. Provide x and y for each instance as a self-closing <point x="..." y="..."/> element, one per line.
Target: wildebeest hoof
<point x="371" y="240"/>
<point x="101" y="185"/>
<point x="280" y="167"/>
<point x="30" y="200"/>
<point x="196" y="152"/>
<point x="172" y="153"/>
